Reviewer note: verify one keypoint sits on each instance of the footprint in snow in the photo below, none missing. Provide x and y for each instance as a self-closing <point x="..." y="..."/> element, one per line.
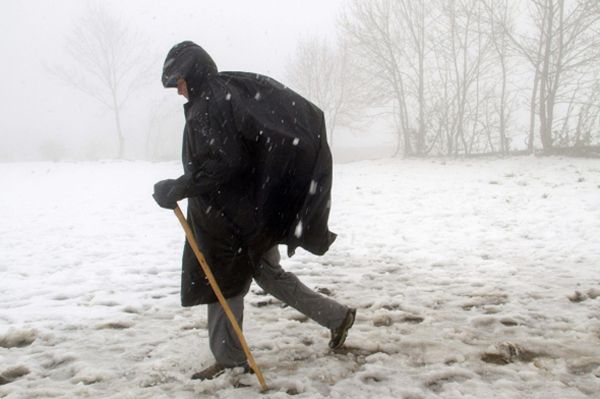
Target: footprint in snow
<point x="61" y="297"/>
<point x="437" y="380"/>
<point x="13" y="373"/>
<point x="132" y="310"/>
<point x="585" y="366"/>
<point x="359" y="355"/>
<point x="88" y="377"/>
<point x="508" y="322"/>
<point x="373" y="376"/>
<point x="17" y="338"/>
<point x="56" y="361"/>
<point x="382" y="321"/>
<point x="199" y="324"/>
<point x="412" y="319"/>
<point x="267" y="302"/>
<point x="480" y="301"/>
<point x="114" y="325"/>
<point x="299" y="318"/>
<point x="507" y="352"/>
<point x="593" y="293"/>
<point x="577" y="296"/>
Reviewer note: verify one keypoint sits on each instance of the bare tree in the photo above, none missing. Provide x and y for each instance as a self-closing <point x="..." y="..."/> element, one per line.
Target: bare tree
<point x="464" y="58"/>
<point x="446" y="69"/>
<point x="588" y="119"/>
<point x="564" y="48"/>
<point x="325" y="75"/>
<point x="501" y="13"/>
<point x="111" y="63"/>
<point x="376" y="36"/>
<point x="413" y="15"/>
<point x="431" y="61"/>
<point x="395" y="40"/>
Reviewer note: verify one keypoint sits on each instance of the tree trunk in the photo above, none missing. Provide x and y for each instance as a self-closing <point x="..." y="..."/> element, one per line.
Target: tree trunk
<point x="503" y="139"/>
<point x="545" y="122"/>
<point x="421" y="134"/>
<point x="551" y="103"/>
<point x="120" y="138"/>
<point x="536" y="82"/>
<point x="421" y="44"/>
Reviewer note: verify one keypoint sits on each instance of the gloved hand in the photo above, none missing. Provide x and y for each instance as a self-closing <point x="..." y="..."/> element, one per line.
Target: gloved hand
<point x="168" y="192"/>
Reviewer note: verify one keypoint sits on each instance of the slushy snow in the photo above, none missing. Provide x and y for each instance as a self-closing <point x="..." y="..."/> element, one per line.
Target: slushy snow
<point x="472" y="279"/>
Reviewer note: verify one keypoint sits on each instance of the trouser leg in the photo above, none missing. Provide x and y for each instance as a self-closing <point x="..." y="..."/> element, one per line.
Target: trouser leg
<point x="224" y="344"/>
<point x="286" y="287"/>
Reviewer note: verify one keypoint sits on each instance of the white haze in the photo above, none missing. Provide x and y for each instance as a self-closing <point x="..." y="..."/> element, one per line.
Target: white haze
<point x="38" y="108"/>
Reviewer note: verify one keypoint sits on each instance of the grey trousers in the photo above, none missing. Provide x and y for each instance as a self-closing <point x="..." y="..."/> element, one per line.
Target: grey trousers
<point x="284" y="286"/>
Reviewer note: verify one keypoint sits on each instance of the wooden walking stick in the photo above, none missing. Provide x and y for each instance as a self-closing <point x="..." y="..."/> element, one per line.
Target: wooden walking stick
<point x="213" y="283"/>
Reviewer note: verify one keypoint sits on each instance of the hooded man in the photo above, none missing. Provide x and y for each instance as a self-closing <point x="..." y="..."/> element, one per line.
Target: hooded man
<point x="257" y="173"/>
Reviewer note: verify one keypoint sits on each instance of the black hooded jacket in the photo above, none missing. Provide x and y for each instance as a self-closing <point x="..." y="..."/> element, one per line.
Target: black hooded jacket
<point x="258" y="167"/>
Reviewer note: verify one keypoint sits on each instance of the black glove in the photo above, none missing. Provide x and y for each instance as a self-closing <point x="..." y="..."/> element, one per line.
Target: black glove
<point x="168" y="192"/>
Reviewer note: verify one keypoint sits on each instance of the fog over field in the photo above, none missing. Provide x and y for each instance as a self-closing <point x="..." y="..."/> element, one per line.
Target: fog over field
<point x="46" y="117"/>
<point x="393" y="78"/>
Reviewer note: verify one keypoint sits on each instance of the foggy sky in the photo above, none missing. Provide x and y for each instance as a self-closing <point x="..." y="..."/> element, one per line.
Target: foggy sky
<point x="257" y="36"/>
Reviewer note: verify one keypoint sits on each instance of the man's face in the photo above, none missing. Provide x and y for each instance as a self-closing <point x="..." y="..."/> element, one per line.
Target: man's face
<point x="182" y="88"/>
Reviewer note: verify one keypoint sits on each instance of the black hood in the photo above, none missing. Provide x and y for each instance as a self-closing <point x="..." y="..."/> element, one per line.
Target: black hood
<point x="189" y="61"/>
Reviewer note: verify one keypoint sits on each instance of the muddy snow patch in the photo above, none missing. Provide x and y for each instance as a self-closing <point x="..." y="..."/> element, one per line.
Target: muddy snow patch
<point x="508" y="352"/>
<point x="115" y="325"/>
<point x="436" y="381"/>
<point x="18" y="338"/>
<point x="593" y="293"/>
<point x="13" y="373"/>
<point x="89" y="376"/>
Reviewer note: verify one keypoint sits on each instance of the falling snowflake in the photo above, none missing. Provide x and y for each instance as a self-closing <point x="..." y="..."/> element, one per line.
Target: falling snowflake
<point x="298" y="231"/>
<point x="313" y="187"/>
<point x="228" y="96"/>
<point x="257" y="96"/>
<point x="296" y="141"/>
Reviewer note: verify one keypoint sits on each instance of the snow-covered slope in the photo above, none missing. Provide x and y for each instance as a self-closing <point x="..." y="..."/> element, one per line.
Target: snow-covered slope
<point x="464" y="273"/>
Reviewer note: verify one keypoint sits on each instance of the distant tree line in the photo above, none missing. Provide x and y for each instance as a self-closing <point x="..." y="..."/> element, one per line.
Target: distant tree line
<point x="453" y="77"/>
<point x="458" y="77"/>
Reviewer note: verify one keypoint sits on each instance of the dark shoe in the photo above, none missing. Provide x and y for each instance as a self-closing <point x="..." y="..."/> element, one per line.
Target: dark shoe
<point x="217" y="369"/>
<point x="338" y="336"/>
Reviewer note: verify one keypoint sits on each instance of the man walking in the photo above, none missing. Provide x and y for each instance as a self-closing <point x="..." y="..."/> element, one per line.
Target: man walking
<point x="257" y="173"/>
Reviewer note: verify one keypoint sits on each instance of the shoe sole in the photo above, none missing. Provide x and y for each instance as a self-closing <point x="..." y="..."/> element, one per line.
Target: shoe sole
<point x="246" y="370"/>
<point x="198" y="376"/>
<point x="345" y="333"/>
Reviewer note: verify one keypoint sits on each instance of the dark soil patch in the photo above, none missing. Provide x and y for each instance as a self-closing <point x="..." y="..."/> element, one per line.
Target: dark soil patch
<point x="12" y="374"/>
<point x="17" y="338"/>
<point x="510" y="353"/>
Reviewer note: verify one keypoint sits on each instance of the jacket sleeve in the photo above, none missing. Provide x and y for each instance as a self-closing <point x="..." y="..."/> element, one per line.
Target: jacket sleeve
<point x="216" y="157"/>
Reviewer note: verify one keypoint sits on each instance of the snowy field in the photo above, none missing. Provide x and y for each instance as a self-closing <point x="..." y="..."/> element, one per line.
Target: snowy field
<point x="464" y="273"/>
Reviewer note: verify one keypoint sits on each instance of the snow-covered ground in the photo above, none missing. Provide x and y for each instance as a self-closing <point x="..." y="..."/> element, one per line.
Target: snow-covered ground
<point x="464" y="273"/>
